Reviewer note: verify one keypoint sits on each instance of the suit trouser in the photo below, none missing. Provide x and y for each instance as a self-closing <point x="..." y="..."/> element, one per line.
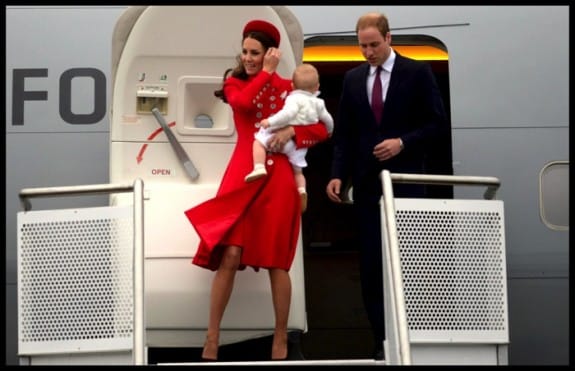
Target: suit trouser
<point x="370" y="266"/>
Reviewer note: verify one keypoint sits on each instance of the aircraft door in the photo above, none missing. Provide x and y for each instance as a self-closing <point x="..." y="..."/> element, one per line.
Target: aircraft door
<point x="169" y="129"/>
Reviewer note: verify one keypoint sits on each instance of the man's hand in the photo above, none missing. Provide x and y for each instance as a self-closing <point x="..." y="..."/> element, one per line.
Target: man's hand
<point x="387" y="149"/>
<point x="333" y="189"/>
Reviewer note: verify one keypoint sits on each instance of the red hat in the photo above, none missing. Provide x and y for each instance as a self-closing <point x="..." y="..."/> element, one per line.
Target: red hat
<point x="263" y="26"/>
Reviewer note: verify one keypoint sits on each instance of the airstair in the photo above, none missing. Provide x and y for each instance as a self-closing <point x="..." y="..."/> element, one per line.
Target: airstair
<point x="445" y="277"/>
<point x="81" y="279"/>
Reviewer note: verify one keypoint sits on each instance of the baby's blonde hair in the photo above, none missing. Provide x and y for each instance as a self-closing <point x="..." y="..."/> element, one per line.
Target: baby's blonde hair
<point x="306" y="77"/>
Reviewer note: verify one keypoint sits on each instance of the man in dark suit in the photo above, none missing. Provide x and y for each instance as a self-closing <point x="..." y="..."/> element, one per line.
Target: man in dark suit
<point x="412" y="116"/>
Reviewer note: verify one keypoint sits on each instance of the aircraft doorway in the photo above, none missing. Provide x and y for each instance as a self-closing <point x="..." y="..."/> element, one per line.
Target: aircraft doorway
<point x="337" y="324"/>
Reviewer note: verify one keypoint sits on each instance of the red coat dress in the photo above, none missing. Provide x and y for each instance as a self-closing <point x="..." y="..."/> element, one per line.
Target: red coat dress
<point x="262" y="217"/>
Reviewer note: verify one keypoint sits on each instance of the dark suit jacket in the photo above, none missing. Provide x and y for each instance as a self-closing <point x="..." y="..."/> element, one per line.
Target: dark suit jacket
<point x="413" y="111"/>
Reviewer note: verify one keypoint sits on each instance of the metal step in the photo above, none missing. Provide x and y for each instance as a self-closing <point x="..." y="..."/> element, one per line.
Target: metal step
<point x="327" y="362"/>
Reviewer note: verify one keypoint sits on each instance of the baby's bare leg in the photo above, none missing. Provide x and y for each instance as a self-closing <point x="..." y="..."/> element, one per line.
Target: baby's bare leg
<point x="259" y="154"/>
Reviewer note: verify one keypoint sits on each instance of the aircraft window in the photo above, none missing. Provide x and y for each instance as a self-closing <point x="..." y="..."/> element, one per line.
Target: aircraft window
<point x="554" y="195"/>
<point x="203" y="121"/>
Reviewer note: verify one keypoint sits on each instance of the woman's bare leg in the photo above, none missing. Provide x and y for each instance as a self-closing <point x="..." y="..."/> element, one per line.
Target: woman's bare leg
<point x="281" y="297"/>
<point x="222" y="286"/>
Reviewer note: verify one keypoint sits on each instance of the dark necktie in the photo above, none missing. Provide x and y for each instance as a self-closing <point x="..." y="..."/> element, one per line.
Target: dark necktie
<point x="377" y="96"/>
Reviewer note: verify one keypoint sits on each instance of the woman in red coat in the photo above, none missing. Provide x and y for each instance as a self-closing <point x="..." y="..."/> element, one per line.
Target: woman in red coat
<point x="253" y="224"/>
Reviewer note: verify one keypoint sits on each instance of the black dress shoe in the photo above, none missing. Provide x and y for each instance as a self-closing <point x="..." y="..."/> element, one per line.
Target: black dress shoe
<point x="378" y="355"/>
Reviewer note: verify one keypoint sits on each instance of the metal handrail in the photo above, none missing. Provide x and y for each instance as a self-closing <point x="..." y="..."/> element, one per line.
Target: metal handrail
<point x="492" y="183"/>
<point x="397" y="293"/>
<point x="138" y="354"/>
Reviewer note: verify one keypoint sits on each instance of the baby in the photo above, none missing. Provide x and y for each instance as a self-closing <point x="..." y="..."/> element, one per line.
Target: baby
<point x="302" y="106"/>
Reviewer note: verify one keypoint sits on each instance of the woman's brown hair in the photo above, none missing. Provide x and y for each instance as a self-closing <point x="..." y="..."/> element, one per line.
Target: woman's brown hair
<point x="239" y="71"/>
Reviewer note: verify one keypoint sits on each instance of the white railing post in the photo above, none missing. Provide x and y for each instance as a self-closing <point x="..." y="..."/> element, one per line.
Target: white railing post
<point x="396" y="282"/>
<point x="139" y="312"/>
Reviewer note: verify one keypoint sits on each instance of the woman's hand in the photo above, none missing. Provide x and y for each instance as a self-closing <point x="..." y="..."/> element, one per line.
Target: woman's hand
<point x="280" y="137"/>
<point x="271" y="60"/>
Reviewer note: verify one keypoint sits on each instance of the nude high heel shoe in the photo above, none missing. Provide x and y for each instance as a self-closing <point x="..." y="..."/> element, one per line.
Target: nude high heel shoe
<point x="210" y="351"/>
<point x="280" y="347"/>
